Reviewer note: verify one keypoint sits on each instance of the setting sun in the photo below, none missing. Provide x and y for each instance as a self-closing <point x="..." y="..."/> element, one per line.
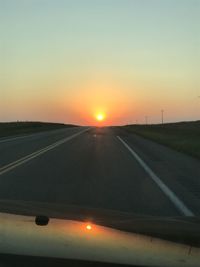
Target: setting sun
<point x="100" y="117"/>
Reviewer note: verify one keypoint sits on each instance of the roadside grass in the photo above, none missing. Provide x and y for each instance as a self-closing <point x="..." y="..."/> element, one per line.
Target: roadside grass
<point x="181" y="136"/>
<point x="23" y="128"/>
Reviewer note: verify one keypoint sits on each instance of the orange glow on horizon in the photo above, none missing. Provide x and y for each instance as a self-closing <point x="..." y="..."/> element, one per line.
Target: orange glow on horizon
<point x="98" y="102"/>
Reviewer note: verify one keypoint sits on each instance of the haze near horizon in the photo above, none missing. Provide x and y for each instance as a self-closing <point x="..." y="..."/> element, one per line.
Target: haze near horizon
<point x="99" y="62"/>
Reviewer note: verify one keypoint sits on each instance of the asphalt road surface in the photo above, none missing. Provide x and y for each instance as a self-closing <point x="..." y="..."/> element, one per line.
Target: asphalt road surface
<point x="105" y="168"/>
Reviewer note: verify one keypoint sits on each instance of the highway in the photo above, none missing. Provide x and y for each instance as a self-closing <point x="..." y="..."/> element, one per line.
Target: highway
<point x="105" y="168"/>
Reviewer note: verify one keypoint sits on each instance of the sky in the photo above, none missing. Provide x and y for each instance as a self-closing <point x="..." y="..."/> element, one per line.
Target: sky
<point x="67" y="61"/>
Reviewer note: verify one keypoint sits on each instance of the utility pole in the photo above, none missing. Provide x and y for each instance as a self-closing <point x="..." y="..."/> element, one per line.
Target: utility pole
<point x="162" y="116"/>
<point x="146" y="119"/>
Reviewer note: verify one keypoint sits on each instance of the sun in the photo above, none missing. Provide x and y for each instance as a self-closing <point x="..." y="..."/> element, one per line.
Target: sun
<point x="100" y="117"/>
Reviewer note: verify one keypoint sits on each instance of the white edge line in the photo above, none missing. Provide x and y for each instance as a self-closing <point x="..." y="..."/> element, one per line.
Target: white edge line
<point x="36" y="134"/>
<point x="14" y="138"/>
<point x="37" y="153"/>
<point x="166" y="190"/>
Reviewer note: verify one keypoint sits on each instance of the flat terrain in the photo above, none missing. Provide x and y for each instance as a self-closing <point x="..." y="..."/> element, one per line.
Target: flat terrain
<point x="92" y="167"/>
<point x="182" y="136"/>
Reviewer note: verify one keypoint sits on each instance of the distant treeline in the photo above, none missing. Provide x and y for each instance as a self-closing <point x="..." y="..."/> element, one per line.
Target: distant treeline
<point x="181" y="136"/>
<point x="27" y="127"/>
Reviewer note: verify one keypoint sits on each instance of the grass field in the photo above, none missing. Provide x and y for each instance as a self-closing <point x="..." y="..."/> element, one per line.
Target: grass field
<point x="21" y="128"/>
<point x="181" y="136"/>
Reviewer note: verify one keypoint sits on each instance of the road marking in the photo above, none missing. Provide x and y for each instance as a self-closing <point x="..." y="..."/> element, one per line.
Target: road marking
<point x="37" y="134"/>
<point x="37" y="153"/>
<point x="166" y="190"/>
<point x="14" y="138"/>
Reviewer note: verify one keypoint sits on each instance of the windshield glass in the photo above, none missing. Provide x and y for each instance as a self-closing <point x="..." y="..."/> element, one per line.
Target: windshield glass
<point x="100" y="107"/>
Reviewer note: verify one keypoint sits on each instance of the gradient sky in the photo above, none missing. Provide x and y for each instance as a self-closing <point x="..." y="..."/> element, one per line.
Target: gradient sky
<point x="65" y="61"/>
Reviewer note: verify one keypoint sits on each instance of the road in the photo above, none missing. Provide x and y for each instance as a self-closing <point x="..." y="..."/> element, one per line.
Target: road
<point x="105" y="168"/>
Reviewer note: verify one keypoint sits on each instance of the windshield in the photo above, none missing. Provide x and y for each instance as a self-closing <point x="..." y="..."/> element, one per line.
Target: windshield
<point x="100" y="108"/>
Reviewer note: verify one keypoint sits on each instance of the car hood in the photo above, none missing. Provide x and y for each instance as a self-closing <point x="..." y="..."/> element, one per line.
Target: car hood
<point x="185" y="230"/>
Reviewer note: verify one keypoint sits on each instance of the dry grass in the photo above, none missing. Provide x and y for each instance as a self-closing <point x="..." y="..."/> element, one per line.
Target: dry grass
<point x="182" y="136"/>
